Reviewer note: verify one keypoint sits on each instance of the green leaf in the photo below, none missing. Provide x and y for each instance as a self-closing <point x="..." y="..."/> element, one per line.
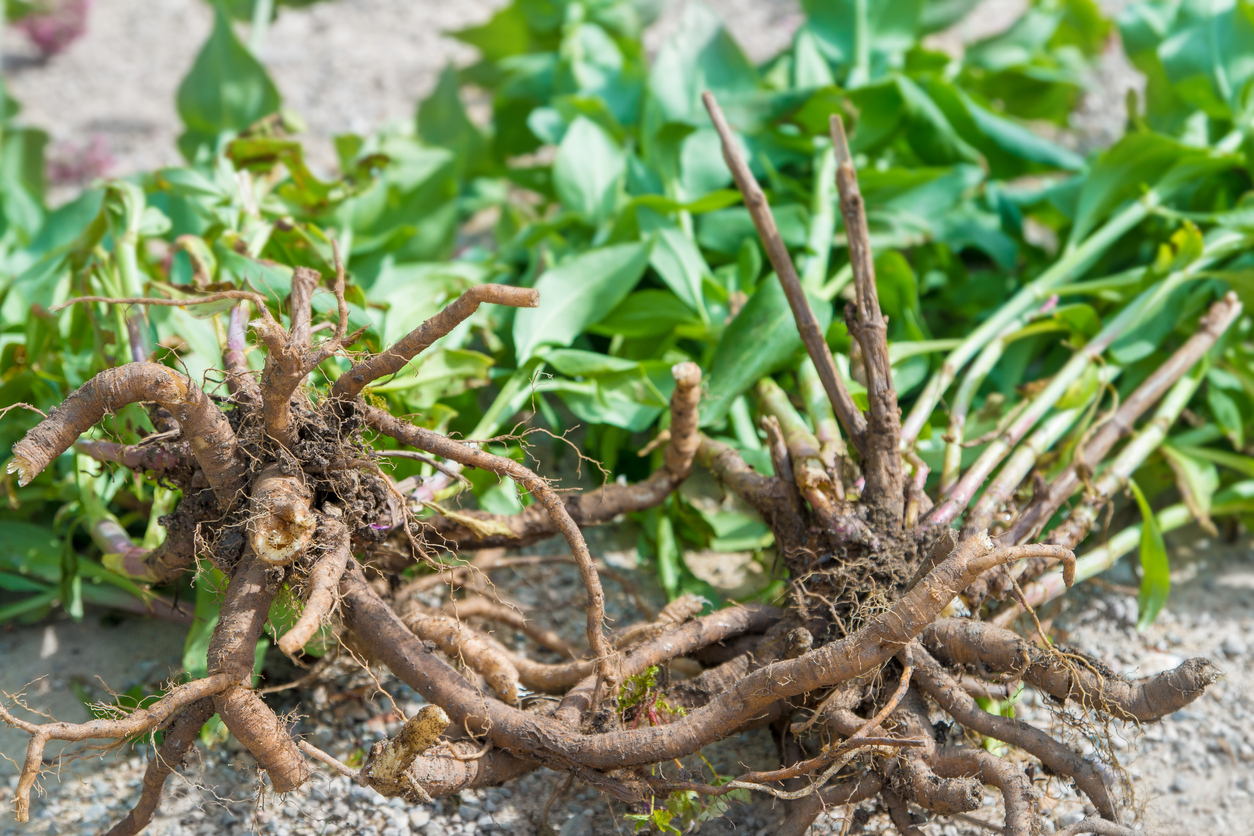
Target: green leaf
<point x="441" y="373"/>
<point x="1227" y="414"/>
<point x="1207" y="55"/>
<point x="891" y="28"/>
<point x="588" y="170"/>
<point x="1155" y="567"/>
<point x="646" y="313"/>
<point x="1197" y="479"/>
<point x="1128" y="167"/>
<point x="442" y="121"/>
<point x="699" y="56"/>
<point x="208" y="604"/>
<point x="762" y="338"/>
<point x="680" y="264"/>
<point x="577" y="293"/>
<point x="227" y="89"/>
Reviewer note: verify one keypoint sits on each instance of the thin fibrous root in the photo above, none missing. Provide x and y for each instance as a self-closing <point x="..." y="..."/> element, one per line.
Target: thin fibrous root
<point x="180" y="736"/>
<point x="432" y="442"/>
<point x="804" y="811"/>
<point x="960" y="705"/>
<point x="391" y="361"/>
<point x="972" y="644"/>
<point x="604" y="503"/>
<point x="322" y="584"/>
<point x="139" y="721"/>
<point x="206" y="429"/>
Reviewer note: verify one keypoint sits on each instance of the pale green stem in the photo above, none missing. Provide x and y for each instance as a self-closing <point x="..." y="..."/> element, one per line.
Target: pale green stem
<point x="819" y="408"/>
<point x="962" y="492"/>
<point x="823" y="221"/>
<point x="1073" y="263"/>
<point x="1029" y="451"/>
<point x="967" y="390"/>
<point x="263" y="11"/>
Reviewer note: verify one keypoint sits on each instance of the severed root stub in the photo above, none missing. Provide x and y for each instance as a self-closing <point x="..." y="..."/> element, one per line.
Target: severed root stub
<point x="283" y="491"/>
<point x="387" y="765"/>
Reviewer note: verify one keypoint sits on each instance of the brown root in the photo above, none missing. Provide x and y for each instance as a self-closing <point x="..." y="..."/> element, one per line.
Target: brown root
<point x="1056" y="757"/>
<point x="322" y="585"/>
<point x="1068" y="676"/>
<point x="350" y="384"/>
<point x="179" y="739"/>
<point x="139" y="721"/>
<point x="207" y="431"/>
<point x="603" y="504"/>
<point x="431" y="442"/>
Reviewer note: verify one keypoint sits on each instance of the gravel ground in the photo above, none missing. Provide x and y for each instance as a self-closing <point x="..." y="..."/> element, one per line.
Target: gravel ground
<point x="356" y="64"/>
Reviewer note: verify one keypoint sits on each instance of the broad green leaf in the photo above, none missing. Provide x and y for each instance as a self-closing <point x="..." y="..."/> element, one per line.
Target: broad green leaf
<point x="1227" y="414"/>
<point x="1207" y="55"/>
<point x="442" y="121"/>
<point x="227" y="89"/>
<point x="1137" y="161"/>
<point x="628" y="399"/>
<point x="762" y="338"/>
<point x="1155" y="567"/>
<point x="588" y="170"/>
<point x="577" y="293"/>
<point x="699" y="56"/>
<point x="210" y="585"/>
<point x="680" y="264"/>
<point x="889" y="29"/>
<point x="646" y="313"/>
<point x="436" y="374"/>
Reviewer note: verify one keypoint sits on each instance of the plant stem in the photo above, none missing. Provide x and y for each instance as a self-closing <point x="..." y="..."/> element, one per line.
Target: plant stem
<point x="962" y="492"/>
<point x="263" y="11"/>
<point x="812" y="336"/>
<point x="1026" y="455"/>
<point x="823" y="221"/>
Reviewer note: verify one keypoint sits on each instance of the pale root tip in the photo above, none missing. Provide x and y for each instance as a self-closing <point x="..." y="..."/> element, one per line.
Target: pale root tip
<point x="686" y="373"/>
<point x="24" y="469"/>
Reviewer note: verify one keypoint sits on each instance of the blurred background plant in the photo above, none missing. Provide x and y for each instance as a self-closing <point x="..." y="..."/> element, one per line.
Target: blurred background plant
<point x="593" y="175"/>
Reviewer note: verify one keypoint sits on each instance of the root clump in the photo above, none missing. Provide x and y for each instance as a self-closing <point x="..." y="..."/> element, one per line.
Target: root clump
<point x="283" y="489"/>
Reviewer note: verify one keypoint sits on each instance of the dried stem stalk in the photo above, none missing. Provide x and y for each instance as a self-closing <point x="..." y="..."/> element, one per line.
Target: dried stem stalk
<point x="850" y="416"/>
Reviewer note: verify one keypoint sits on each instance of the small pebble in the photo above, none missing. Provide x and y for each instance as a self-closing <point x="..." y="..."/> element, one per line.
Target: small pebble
<point x="1181" y="784"/>
<point x="1234" y="647"/>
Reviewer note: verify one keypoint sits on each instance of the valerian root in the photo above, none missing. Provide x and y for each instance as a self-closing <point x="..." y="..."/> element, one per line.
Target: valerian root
<point x="179" y="738"/>
<point x="1067" y="675"/>
<point x="605" y="503"/>
<point x="212" y="441"/>
<point x="322" y="587"/>
<point x="283" y="491"/>
<point x="138" y="722"/>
